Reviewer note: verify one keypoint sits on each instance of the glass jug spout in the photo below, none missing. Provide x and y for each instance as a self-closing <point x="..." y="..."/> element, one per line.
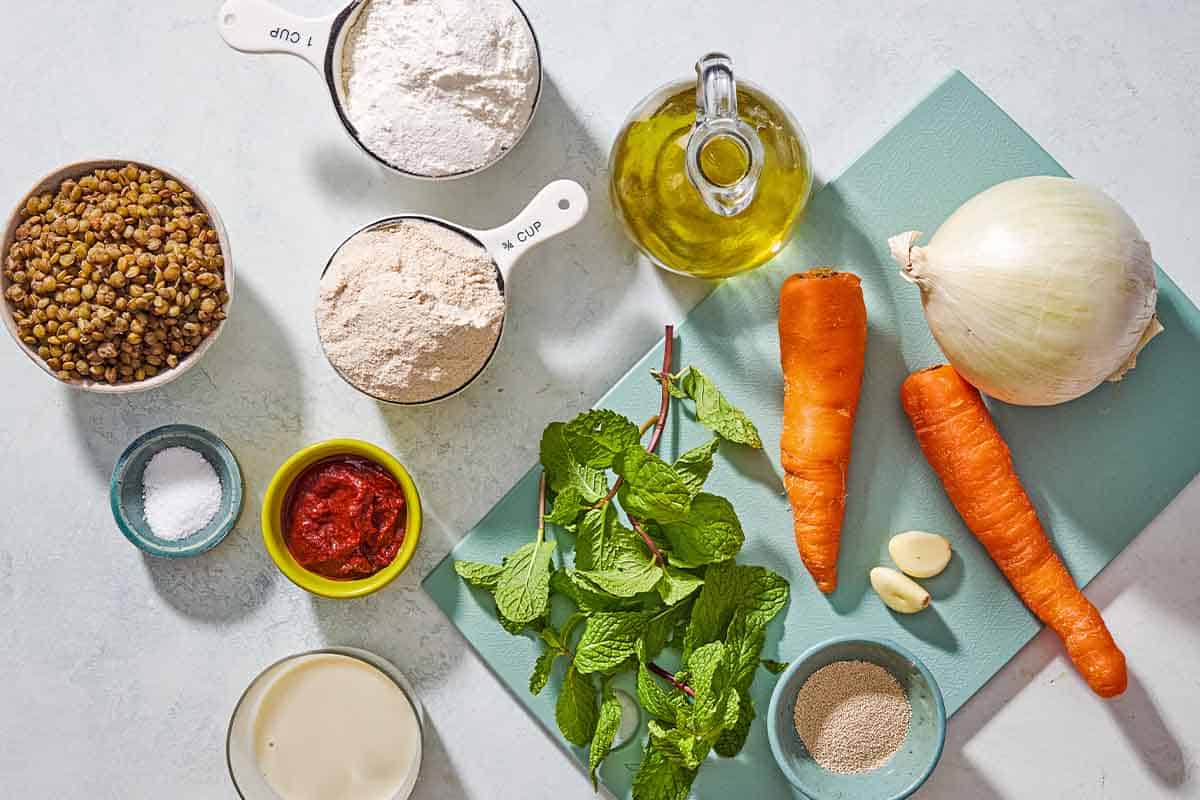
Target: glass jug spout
<point x="724" y="153"/>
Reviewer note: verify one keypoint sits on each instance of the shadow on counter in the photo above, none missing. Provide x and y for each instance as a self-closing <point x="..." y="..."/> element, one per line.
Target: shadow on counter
<point x="439" y="780"/>
<point x="247" y="391"/>
<point x="218" y="587"/>
<point x="1135" y="712"/>
<point x="402" y="624"/>
<point x="400" y="621"/>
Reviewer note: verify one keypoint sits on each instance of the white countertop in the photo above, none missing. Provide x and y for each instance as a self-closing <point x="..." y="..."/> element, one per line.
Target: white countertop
<point x="118" y="672"/>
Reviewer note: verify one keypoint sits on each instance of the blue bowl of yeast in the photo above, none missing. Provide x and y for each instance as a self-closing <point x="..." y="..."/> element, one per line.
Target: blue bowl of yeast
<point x="912" y="764"/>
<point x="125" y="490"/>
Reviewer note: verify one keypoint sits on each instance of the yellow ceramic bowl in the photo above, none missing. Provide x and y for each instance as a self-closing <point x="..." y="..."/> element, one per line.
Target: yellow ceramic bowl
<point x="272" y="519"/>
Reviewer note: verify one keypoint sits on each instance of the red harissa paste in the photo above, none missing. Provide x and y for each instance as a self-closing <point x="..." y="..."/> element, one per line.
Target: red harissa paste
<point x="344" y="518"/>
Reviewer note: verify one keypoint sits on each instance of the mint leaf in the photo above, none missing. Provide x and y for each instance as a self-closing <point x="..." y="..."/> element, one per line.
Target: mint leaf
<point x="560" y="639"/>
<point x="715" y="412"/>
<point x="478" y="574"/>
<point x="609" y="639"/>
<point x="587" y="596"/>
<point x="659" y="778"/>
<point x="594" y="545"/>
<point x="558" y="643"/>
<point x="542" y="668"/>
<point x="563" y="470"/>
<point x="677" y="585"/>
<point x="660" y="627"/>
<point x="681" y="747"/>
<point x="607" y="725"/>
<point x="551" y="638"/>
<point x="576" y="712"/>
<point x="627" y="581"/>
<point x="659" y="701"/>
<point x="708" y="533"/>
<point x="568" y="628"/>
<point x="731" y="716"/>
<point x="711" y="680"/>
<point x="632" y="569"/>
<point x="652" y="488"/>
<point x="733" y="739"/>
<point x="694" y="465"/>
<point x="765" y="596"/>
<point x="744" y="644"/>
<point x="514" y="628"/>
<point x="672" y="388"/>
<point x="596" y="437"/>
<point x="774" y="667"/>
<point x="523" y="590"/>
<point x="568" y="505"/>
<point x="727" y="588"/>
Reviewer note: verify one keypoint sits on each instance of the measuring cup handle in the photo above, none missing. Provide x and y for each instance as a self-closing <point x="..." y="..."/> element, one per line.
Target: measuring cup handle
<point x="258" y="26"/>
<point x="555" y="209"/>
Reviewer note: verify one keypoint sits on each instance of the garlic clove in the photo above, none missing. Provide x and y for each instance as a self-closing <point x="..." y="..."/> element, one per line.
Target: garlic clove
<point x="920" y="554"/>
<point x="899" y="592"/>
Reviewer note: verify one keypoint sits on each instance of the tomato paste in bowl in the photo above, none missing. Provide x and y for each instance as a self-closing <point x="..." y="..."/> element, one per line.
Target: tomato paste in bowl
<point x="341" y="518"/>
<point x="344" y="517"/>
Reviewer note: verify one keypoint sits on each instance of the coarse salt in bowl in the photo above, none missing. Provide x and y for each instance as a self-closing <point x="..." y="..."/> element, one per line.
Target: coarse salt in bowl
<point x="127" y="490"/>
<point x="906" y="770"/>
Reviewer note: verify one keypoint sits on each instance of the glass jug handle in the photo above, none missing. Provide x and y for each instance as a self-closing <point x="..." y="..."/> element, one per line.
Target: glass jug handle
<point x="718" y="128"/>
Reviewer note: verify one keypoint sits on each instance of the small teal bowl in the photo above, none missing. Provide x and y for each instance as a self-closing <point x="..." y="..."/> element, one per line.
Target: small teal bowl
<point x="125" y="490"/>
<point x="912" y="764"/>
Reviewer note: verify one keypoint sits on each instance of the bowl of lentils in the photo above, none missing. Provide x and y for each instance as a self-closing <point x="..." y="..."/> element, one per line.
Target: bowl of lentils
<point x="116" y="275"/>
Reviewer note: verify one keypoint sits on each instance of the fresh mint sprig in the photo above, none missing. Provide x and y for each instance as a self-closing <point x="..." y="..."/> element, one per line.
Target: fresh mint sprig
<point x="653" y="570"/>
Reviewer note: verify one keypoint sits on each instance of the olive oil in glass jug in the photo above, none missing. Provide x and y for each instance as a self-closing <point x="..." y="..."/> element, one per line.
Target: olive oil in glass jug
<point x="710" y="177"/>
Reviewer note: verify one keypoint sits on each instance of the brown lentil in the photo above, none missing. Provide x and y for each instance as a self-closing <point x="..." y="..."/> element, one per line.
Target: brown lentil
<point x="116" y="268"/>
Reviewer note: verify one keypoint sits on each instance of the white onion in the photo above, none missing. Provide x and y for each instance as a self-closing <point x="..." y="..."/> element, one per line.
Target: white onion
<point x="1037" y="289"/>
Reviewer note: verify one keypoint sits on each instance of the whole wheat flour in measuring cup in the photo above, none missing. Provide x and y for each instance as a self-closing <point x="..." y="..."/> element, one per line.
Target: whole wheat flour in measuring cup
<point x="410" y="312"/>
<point x="439" y="87"/>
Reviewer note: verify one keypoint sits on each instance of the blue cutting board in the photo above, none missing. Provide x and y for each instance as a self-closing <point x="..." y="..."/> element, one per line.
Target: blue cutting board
<point x="1098" y="469"/>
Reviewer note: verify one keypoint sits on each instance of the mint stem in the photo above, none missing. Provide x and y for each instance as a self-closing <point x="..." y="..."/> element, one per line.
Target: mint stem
<point x="660" y="421"/>
<point x="668" y="348"/>
<point x="650" y="545"/>
<point x="668" y="676"/>
<point x="541" y="530"/>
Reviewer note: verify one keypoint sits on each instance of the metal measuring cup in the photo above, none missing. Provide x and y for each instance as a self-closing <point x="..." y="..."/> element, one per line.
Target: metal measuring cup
<point x="259" y="26"/>
<point x="557" y="208"/>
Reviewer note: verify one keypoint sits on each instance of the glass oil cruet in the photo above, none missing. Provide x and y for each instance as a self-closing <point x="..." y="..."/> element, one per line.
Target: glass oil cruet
<point x="710" y="178"/>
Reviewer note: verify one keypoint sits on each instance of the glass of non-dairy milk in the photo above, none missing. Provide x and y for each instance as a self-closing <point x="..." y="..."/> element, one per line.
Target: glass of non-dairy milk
<point x="337" y="722"/>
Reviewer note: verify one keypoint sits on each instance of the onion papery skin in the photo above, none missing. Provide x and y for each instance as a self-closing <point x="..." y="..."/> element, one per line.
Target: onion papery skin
<point x="1037" y="290"/>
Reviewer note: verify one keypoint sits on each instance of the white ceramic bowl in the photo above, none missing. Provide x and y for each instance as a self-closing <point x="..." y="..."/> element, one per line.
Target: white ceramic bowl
<point x="78" y="169"/>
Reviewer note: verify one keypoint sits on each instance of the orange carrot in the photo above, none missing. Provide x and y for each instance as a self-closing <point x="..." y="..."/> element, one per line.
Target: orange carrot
<point x="966" y="451"/>
<point x="823" y="345"/>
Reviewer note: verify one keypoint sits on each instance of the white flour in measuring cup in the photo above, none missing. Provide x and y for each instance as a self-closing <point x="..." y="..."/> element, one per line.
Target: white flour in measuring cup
<point x="439" y="87"/>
